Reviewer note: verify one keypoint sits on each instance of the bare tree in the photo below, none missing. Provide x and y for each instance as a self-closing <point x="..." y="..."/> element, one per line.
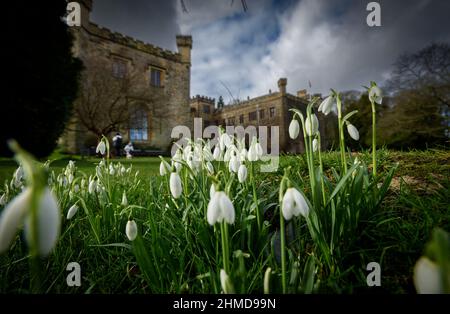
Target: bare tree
<point x="426" y="72"/>
<point x="109" y="102"/>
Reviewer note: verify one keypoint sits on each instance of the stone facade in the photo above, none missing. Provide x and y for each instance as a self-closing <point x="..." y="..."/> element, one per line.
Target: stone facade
<point x="268" y="110"/>
<point x="172" y="86"/>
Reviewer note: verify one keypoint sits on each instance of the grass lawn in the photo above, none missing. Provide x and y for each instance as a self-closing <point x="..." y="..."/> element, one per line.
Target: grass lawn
<point x="183" y="250"/>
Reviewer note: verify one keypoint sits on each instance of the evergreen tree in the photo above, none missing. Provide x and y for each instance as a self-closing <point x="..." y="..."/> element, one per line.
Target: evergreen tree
<point x="41" y="75"/>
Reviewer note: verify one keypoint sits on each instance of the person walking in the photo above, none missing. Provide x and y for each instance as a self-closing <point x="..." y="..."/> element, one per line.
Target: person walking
<point x="117" y="143"/>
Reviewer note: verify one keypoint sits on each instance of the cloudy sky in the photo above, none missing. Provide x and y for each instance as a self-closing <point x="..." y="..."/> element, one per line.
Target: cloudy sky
<point x="326" y="42"/>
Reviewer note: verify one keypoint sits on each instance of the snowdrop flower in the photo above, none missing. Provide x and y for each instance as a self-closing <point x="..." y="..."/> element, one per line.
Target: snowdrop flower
<point x="122" y="170"/>
<point x="3" y="200"/>
<point x="216" y="152"/>
<point x="131" y="230"/>
<point x="212" y="190"/>
<point x="92" y="186"/>
<point x="255" y="151"/>
<point x="233" y="166"/>
<point x="210" y="167"/>
<point x="225" y="282"/>
<point x="294" y="204"/>
<point x="242" y="173"/>
<point x="353" y="131"/>
<point x="224" y="141"/>
<point x="83" y="183"/>
<point x="70" y="178"/>
<point x="164" y="168"/>
<point x="72" y="211"/>
<point x="101" y="147"/>
<point x="375" y="94"/>
<point x="315" y="145"/>
<point x="18" y="212"/>
<point x="207" y="155"/>
<point x="294" y="129"/>
<point x="175" y="185"/>
<point x="312" y="125"/>
<point x="427" y="277"/>
<point x="111" y="170"/>
<point x="243" y="154"/>
<point x="220" y="208"/>
<point x="124" y="199"/>
<point x="327" y="105"/>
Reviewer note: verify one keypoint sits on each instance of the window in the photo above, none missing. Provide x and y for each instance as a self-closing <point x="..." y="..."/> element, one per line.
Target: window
<point x="272" y="112"/>
<point x="156" y="77"/>
<point x="252" y="115"/>
<point x="261" y="114"/>
<point x="241" y="119"/>
<point x="138" y="124"/>
<point x="206" y="109"/>
<point x="119" y="68"/>
<point x="231" y="121"/>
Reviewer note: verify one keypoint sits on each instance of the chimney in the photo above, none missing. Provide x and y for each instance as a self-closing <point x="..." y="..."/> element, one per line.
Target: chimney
<point x="86" y="8"/>
<point x="282" y="82"/>
<point x="302" y="93"/>
<point x="184" y="44"/>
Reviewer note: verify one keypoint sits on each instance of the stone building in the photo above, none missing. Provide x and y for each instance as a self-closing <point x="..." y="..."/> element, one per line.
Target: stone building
<point x="271" y="109"/>
<point x="158" y="99"/>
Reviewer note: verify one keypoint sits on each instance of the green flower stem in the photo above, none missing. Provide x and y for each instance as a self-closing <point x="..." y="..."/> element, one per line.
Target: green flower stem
<point x="225" y="255"/>
<point x="283" y="240"/>
<point x="255" y="197"/>
<point x="321" y="170"/>
<point x="374" y="139"/>
<point x="341" y="134"/>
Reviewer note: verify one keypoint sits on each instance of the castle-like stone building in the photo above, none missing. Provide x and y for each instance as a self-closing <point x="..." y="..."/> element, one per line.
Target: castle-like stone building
<point x="268" y="110"/>
<point x="143" y="91"/>
<point x="157" y="97"/>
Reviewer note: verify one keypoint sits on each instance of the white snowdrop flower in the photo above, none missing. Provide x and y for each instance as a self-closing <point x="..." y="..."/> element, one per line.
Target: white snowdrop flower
<point x="72" y="211"/>
<point x="294" y="129"/>
<point x="3" y="199"/>
<point x="220" y="208"/>
<point x="122" y="170"/>
<point x="255" y="151"/>
<point x="175" y="185"/>
<point x="225" y="282"/>
<point x="187" y="152"/>
<point x="207" y="155"/>
<point x="17" y="212"/>
<point x="294" y="204"/>
<point x="177" y="165"/>
<point x="101" y="148"/>
<point x="375" y="94"/>
<point x="352" y="131"/>
<point x="427" y="277"/>
<point x="164" y="168"/>
<point x="327" y="105"/>
<point x="242" y="173"/>
<point x="131" y="230"/>
<point x="83" y="183"/>
<point x="312" y="125"/>
<point x="233" y="166"/>
<point x="76" y="188"/>
<point x="210" y="167"/>
<point x="212" y="190"/>
<point x="112" y="171"/>
<point x="92" y="187"/>
<point x="315" y="145"/>
<point x="216" y="152"/>
<point x="101" y="163"/>
<point x="124" y="199"/>
<point x="224" y="141"/>
<point x="243" y="154"/>
<point x="70" y="178"/>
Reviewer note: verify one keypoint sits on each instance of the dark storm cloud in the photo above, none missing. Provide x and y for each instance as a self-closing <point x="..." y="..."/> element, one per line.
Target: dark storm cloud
<point x="151" y="21"/>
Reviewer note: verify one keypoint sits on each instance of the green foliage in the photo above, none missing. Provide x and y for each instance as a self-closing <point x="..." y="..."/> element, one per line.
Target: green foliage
<point x="41" y="76"/>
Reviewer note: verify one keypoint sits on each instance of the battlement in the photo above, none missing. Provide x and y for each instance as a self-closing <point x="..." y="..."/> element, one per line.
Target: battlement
<point x="128" y="41"/>
<point x="206" y="99"/>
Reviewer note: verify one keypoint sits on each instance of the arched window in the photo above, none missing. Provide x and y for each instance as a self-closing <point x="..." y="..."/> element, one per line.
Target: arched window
<point x="138" y="124"/>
